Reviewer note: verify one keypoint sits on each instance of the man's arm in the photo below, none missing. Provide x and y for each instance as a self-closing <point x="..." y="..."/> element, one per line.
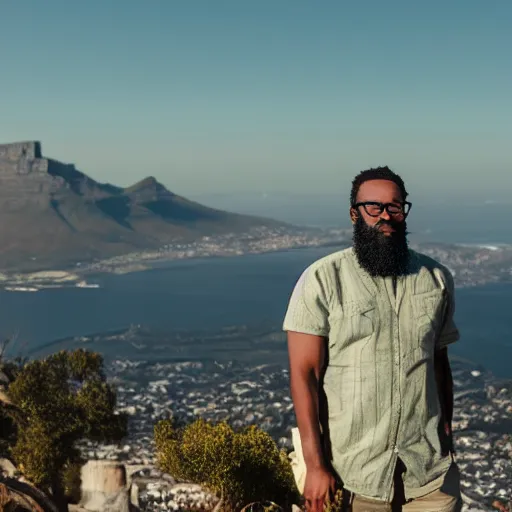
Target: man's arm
<point x="449" y="334"/>
<point x="307" y="325"/>
<point x="445" y="391"/>
<point x="306" y="355"/>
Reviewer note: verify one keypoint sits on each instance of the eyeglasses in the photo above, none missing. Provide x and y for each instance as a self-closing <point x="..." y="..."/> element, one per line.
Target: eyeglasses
<point x="374" y="209"/>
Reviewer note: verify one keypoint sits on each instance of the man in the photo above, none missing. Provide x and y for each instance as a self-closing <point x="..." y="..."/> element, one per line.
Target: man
<point x="367" y="330"/>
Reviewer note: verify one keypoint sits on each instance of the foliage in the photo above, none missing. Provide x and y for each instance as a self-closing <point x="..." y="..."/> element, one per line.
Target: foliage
<point x="243" y="466"/>
<point x="62" y="399"/>
<point x="71" y="480"/>
<point x="8" y="436"/>
<point x="9" y="369"/>
<point x="337" y="504"/>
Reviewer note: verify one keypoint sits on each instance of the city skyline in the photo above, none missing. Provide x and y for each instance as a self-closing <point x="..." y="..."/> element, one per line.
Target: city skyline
<point x="228" y="97"/>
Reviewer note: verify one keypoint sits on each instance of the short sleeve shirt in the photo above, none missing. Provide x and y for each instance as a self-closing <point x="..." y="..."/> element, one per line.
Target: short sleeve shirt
<point x="380" y="382"/>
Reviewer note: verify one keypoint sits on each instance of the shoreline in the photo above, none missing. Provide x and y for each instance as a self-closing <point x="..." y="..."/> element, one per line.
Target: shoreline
<point x="77" y="278"/>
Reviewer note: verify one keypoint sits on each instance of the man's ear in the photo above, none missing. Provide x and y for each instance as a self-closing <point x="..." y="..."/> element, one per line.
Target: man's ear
<point x="354" y="214"/>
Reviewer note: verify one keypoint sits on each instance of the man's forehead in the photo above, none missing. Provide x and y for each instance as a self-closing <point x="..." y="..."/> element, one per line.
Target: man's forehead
<point x="384" y="190"/>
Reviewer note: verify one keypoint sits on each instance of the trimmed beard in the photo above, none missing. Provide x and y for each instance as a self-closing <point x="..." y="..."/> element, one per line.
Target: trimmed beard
<point x="379" y="254"/>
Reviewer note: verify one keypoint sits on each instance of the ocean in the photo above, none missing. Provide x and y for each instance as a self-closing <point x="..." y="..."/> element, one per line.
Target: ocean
<point x="212" y="293"/>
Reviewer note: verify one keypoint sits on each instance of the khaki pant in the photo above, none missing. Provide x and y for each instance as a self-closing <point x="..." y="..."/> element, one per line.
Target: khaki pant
<point x="445" y="499"/>
<point x="436" y="501"/>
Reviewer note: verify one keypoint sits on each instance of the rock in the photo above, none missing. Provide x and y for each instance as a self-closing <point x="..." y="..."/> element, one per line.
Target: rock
<point x="119" y="502"/>
<point x="134" y="494"/>
<point x="104" y="487"/>
<point x="22" y="497"/>
<point x="7" y="468"/>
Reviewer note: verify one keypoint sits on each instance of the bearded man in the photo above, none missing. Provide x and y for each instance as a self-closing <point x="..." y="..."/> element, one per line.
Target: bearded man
<point x="368" y="329"/>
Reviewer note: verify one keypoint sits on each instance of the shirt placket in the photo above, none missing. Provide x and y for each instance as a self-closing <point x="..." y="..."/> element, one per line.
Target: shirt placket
<point x="380" y="287"/>
<point x="396" y="384"/>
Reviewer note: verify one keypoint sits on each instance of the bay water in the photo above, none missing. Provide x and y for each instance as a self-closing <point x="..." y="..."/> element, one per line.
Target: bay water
<point x="212" y="293"/>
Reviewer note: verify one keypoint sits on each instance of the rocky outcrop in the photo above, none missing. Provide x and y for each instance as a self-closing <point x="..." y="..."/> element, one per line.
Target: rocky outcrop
<point x="22" y="497"/>
<point x="103" y="487"/>
<point x="30" y="150"/>
<point x="54" y="214"/>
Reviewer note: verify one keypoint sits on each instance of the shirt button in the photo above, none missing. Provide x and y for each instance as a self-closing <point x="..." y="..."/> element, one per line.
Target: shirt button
<point x="395" y="449"/>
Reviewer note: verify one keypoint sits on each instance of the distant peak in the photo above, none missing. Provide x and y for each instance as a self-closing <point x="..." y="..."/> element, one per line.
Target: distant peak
<point x="150" y="181"/>
<point x="149" y="184"/>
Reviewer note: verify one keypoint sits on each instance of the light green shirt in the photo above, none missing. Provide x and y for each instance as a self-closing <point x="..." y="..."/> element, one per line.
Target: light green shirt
<point x="379" y="381"/>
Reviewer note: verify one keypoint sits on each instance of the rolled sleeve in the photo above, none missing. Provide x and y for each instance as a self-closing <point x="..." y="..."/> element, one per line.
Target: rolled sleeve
<point x="449" y="331"/>
<point x="308" y="306"/>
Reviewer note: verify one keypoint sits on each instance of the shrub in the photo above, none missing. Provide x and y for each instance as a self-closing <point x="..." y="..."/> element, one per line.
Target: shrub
<point x="71" y="481"/>
<point x="61" y="399"/>
<point x="242" y="467"/>
<point x="8" y="371"/>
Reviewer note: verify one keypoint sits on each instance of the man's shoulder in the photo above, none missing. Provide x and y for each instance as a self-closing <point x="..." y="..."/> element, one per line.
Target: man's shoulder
<point x="427" y="261"/>
<point x="433" y="266"/>
<point x="331" y="261"/>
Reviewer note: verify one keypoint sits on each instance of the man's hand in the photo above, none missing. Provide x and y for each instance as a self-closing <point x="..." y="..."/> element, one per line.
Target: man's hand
<point x="449" y="433"/>
<point x="319" y="488"/>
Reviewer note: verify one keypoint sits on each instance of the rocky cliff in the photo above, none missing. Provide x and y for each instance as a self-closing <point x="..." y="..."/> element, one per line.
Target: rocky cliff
<point x="53" y="214"/>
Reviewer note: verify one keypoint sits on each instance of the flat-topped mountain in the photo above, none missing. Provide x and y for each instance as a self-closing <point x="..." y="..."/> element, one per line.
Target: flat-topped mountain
<point x="53" y="214"/>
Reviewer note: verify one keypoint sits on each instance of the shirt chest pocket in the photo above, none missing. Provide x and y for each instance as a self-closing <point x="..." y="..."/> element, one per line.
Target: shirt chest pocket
<point x="354" y="321"/>
<point x="428" y="311"/>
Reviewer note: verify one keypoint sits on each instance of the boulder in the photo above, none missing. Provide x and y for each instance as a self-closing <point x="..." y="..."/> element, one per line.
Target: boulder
<point x="22" y="497"/>
<point x="7" y="468"/>
<point x="104" y="487"/>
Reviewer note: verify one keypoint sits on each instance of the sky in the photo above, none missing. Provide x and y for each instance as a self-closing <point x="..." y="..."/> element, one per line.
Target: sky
<point x="289" y="97"/>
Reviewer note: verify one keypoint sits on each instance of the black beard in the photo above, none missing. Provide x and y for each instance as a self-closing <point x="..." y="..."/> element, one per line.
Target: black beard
<point x="378" y="254"/>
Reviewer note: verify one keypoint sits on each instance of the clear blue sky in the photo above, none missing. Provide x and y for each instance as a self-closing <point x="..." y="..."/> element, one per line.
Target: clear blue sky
<point x="212" y="96"/>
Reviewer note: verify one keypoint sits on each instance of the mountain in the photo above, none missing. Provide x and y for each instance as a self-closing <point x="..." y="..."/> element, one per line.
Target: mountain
<point x="53" y="214"/>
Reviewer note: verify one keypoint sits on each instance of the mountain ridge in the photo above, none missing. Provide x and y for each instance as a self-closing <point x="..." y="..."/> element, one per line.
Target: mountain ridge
<point x="54" y="214"/>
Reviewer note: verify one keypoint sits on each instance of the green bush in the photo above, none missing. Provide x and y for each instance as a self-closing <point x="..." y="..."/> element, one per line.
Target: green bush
<point x="242" y="467"/>
<point x="60" y="400"/>
<point x="8" y="371"/>
<point x="72" y="481"/>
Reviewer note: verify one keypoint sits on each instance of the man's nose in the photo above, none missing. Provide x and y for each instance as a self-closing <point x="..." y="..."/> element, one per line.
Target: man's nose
<point x="385" y="215"/>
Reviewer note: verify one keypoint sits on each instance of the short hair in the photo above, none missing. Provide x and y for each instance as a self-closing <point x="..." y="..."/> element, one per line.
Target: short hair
<point x="377" y="173"/>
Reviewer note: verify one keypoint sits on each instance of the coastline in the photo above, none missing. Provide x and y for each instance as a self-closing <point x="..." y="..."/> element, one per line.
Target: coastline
<point x="473" y="261"/>
<point x="77" y="277"/>
<point x="209" y="293"/>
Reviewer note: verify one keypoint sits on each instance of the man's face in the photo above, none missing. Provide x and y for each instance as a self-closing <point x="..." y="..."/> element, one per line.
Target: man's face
<point x="380" y="191"/>
<point x="380" y="240"/>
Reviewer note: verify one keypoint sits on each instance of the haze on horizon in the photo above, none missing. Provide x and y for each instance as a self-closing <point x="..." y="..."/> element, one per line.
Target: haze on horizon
<point x="265" y="98"/>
